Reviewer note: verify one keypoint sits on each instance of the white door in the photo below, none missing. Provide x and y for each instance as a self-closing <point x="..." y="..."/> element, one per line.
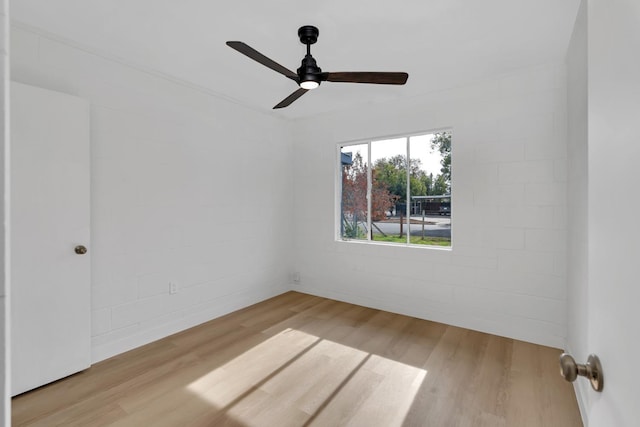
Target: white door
<point x="614" y="209"/>
<point x="50" y="283"/>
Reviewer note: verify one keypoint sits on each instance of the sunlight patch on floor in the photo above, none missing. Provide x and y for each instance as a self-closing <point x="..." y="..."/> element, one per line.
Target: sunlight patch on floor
<point x="236" y="377"/>
<point x="295" y="378"/>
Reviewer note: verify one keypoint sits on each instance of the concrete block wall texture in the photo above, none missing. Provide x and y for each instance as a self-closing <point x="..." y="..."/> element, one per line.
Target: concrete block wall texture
<point x="186" y="187"/>
<point x="506" y="271"/>
<point x="160" y="149"/>
<point x="183" y="190"/>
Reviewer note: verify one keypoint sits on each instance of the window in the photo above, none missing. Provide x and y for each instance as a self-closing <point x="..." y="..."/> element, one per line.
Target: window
<point x="385" y="198"/>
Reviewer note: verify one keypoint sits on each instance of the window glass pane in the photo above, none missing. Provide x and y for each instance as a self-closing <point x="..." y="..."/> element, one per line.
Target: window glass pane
<point x="430" y="185"/>
<point x="397" y="190"/>
<point x="354" y="205"/>
<point x="389" y="190"/>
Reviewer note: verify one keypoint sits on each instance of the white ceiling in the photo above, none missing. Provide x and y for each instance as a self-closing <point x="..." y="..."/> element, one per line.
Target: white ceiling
<point x="440" y="43"/>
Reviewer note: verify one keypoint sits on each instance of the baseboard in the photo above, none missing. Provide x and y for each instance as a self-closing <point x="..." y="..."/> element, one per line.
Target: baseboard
<point x="438" y="312"/>
<point x="227" y="305"/>
<point x="579" y="388"/>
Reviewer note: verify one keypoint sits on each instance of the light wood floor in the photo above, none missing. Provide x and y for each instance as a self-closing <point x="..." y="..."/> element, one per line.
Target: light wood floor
<point x="300" y="360"/>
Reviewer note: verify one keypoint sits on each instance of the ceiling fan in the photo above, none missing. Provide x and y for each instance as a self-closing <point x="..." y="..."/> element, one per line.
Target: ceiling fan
<point x="309" y="75"/>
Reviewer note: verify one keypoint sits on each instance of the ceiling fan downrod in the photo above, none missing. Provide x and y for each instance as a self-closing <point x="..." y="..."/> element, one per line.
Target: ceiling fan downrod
<point x="309" y="72"/>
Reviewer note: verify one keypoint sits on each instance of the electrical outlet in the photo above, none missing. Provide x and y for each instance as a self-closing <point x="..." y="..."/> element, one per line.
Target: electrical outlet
<point x="173" y="288"/>
<point x="296" y="277"/>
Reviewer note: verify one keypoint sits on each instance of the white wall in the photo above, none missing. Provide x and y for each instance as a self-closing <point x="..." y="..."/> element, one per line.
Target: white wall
<point x="577" y="179"/>
<point x="506" y="273"/>
<point x="192" y="188"/>
<point x="5" y="351"/>
<point x="186" y="187"/>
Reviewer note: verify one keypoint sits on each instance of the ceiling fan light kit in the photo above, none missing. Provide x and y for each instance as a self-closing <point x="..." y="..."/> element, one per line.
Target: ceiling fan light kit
<point x="309" y="75"/>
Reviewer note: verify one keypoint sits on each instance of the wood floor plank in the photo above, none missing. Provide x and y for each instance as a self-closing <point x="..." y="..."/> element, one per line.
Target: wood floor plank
<point x="303" y="360"/>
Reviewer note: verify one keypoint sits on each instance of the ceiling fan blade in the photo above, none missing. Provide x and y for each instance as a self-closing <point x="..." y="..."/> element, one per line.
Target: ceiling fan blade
<point x="366" y="77"/>
<point x="258" y="57"/>
<point x="289" y="99"/>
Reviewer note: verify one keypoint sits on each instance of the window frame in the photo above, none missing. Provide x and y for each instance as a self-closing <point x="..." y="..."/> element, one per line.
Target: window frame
<point x="338" y="186"/>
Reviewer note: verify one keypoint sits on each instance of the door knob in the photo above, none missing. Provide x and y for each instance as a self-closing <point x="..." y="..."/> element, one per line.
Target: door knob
<point x="80" y="250"/>
<point x="592" y="370"/>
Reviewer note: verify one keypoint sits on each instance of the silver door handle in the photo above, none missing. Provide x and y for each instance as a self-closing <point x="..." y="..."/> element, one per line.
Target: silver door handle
<point x="592" y="370"/>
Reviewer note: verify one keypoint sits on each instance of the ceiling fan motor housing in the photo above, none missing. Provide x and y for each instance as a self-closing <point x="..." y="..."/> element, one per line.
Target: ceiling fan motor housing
<point x="309" y="70"/>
